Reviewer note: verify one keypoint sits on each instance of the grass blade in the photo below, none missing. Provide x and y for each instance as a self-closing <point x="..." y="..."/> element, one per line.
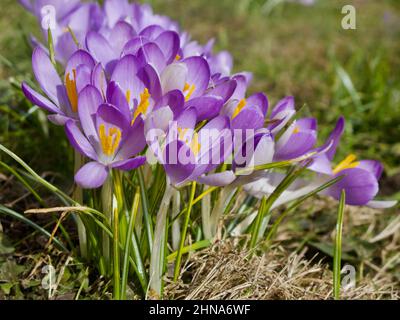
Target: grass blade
<point x="338" y="247"/>
<point x="20" y="217"/>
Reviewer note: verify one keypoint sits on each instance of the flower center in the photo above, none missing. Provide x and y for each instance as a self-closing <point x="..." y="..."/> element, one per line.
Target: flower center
<point x="188" y="90"/>
<point x="177" y="57"/>
<point x="109" y="140"/>
<point x="143" y="104"/>
<point x="242" y="103"/>
<point x="194" y="144"/>
<point x="72" y="93"/>
<point x="348" y="163"/>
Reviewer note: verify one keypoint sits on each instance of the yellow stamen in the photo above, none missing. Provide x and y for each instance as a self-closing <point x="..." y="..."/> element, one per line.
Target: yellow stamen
<point x="296" y="130"/>
<point x="143" y="104"/>
<point x="242" y="103"/>
<point x="348" y="163"/>
<point x="128" y="96"/>
<point x="182" y="133"/>
<point x="72" y="93"/>
<point x="195" y="145"/>
<point x="178" y="57"/>
<point x="188" y="89"/>
<point x="109" y="141"/>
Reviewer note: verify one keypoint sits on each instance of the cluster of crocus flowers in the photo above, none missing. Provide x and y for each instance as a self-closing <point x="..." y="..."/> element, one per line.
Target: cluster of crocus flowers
<point x="127" y="67"/>
<point x="135" y="88"/>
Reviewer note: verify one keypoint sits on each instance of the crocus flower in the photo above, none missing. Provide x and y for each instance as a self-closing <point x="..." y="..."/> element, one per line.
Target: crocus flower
<point x="61" y="96"/>
<point x="188" y="155"/>
<point x="107" y="136"/>
<point x="360" y="178"/>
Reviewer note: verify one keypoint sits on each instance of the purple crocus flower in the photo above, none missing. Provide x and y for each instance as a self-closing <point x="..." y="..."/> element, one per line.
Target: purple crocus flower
<point x="360" y="178"/>
<point x="188" y="155"/>
<point x="107" y="136"/>
<point x="61" y="97"/>
<point x="297" y="140"/>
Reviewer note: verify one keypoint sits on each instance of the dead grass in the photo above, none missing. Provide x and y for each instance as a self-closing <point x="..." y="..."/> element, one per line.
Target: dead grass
<point x="226" y="272"/>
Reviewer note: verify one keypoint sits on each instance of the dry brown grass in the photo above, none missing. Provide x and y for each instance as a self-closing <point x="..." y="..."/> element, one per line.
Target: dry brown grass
<point x="226" y="272"/>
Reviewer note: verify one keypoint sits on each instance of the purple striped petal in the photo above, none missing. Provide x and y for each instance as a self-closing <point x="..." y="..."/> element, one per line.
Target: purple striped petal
<point x="151" y="54"/>
<point x="169" y="43"/>
<point x="130" y="164"/>
<point x="133" y="45"/>
<point x="207" y="107"/>
<point x="360" y="186"/>
<point x="224" y="90"/>
<point x="217" y="179"/>
<point x="120" y="35"/>
<point x="38" y="99"/>
<point x="80" y="57"/>
<point x="46" y="75"/>
<point x="198" y="74"/>
<point x="133" y="142"/>
<point x="89" y="101"/>
<point x="100" y="49"/>
<point x="79" y="141"/>
<point x="259" y="100"/>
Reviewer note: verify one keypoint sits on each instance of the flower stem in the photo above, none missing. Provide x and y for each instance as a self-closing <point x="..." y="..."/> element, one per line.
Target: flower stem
<point x="176" y="225"/>
<point x="106" y="198"/>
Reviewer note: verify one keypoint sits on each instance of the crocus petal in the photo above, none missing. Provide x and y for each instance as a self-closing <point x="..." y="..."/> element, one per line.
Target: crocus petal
<point x="241" y="87"/>
<point x="116" y="97"/>
<point x="89" y="101"/>
<point x="120" y="35"/>
<point x="125" y="75"/>
<point x="321" y="164"/>
<point x="177" y="170"/>
<point x="207" y="107"/>
<point x="174" y="77"/>
<point x="151" y="54"/>
<point x="100" y="49"/>
<point x="169" y="43"/>
<point x="80" y="57"/>
<point x="133" y="45"/>
<point x="38" y="99"/>
<point x="111" y="116"/>
<point x="98" y="79"/>
<point x="224" y="90"/>
<point x="260" y="100"/>
<point x="376" y="204"/>
<point x="134" y="141"/>
<point x="46" y="74"/>
<point x="130" y="164"/>
<point x="217" y="179"/>
<point x="187" y="119"/>
<point x="58" y="119"/>
<point x="360" y="186"/>
<point x="152" y="32"/>
<point x="375" y="167"/>
<point x="249" y="118"/>
<point x="173" y="99"/>
<point x="298" y="144"/>
<point x="198" y="74"/>
<point x="149" y="76"/>
<point x="92" y="175"/>
<point x="79" y="141"/>
<point x="334" y="138"/>
<point x="115" y="10"/>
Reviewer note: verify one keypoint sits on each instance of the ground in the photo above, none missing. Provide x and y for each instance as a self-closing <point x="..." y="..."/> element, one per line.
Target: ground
<point x="292" y="50"/>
